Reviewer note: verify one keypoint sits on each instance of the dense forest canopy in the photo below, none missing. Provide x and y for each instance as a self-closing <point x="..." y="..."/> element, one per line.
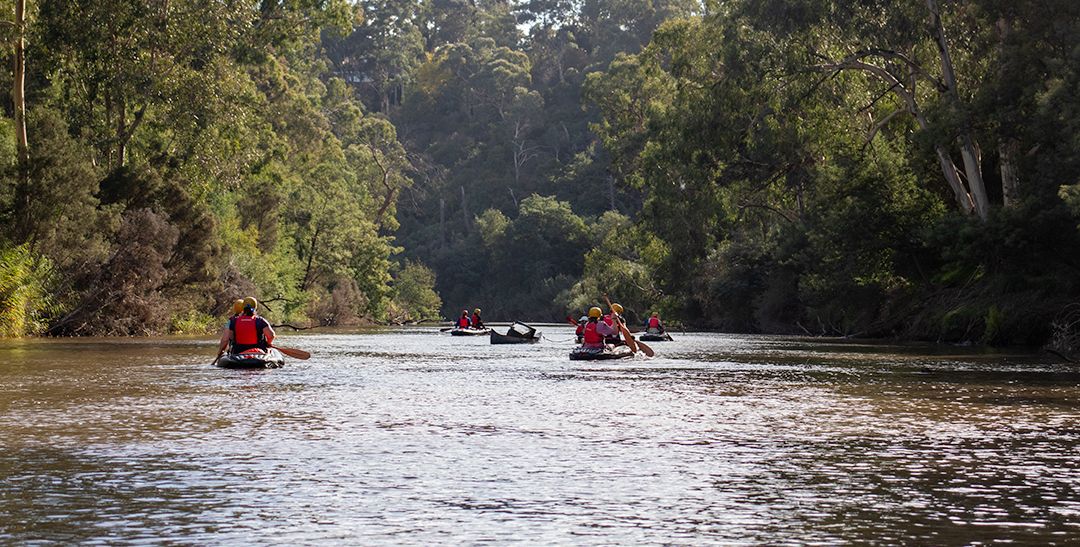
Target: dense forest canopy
<point x="874" y="168"/>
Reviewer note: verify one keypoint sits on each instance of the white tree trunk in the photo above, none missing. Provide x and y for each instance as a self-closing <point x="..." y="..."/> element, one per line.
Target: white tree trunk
<point x="18" y="85"/>
<point x="969" y="149"/>
<point x="1008" y="151"/>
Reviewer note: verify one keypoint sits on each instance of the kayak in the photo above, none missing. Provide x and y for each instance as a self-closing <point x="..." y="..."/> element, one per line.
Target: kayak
<point x="655" y="337"/>
<point x="253" y="358"/>
<point x="596" y="354"/>
<point x="469" y="331"/>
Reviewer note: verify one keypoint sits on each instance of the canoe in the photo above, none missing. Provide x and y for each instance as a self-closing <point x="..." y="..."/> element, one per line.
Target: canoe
<point x="589" y="354"/>
<point x="509" y="338"/>
<point x="497" y="338"/>
<point x="253" y="358"/>
<point x="469" y="331"/>
<point x="518" y="333"/>
<point x="655" y="337"/>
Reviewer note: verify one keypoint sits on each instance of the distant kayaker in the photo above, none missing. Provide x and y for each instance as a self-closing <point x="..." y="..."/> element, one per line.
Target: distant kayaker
<point x="609" y="319"/>
<point x="653" y="324"/>
<point x="580" y="330"/>
<point x="463" y="321"/>
<point x="596" y="330"/>
<point x="247" y="330"/>
<point x="476" y="322"/>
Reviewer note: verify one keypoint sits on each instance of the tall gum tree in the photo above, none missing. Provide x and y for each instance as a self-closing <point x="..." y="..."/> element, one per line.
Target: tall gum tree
<point x="905" y="47"/>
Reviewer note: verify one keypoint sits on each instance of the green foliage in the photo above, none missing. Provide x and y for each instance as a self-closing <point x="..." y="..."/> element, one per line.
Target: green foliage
<point x="184" y="154"/>
<point x="415" y="298"/>
<point x="193" y="322"/>
<point x="24" y="294"/>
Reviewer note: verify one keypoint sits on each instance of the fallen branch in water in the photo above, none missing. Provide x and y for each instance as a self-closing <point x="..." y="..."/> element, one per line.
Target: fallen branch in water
<point x="294" y="327"/>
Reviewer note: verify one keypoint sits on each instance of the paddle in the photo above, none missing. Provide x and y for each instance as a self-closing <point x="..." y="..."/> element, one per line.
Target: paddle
<point x="630" y="342"/>
<point x="293" y="352"/>
<point x="444" y="329"/>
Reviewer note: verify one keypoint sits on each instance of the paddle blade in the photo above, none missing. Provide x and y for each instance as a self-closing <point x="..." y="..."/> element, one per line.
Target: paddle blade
<point x="294" y="353"/>
<point x="645" y="348"/>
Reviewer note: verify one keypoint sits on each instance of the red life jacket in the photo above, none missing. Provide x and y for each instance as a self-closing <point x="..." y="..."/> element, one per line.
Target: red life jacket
<point x="580" y="329"/>
<point x="476" y="320"/>
<point x="608" y="319"/>
<point x="245" y="331"/>
<point x="463" y="323"/>
<point x="590" y="336"/>
<point x="654" y="322"/>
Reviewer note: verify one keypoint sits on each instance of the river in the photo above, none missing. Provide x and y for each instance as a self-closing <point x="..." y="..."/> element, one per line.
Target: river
<point x="414" y="436"/>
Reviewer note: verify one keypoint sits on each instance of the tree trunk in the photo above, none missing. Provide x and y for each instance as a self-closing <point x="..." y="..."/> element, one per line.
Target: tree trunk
<point x="952" y="175"/>
<point x="310" y="260"/>
<point x="969" y="149"/>
<point x="1008" y="146"/>
<point x="18" y="85"/>
<point x="1008" y="151"/>
<point x="464" y="212"/>
<point x="442" y="219"/>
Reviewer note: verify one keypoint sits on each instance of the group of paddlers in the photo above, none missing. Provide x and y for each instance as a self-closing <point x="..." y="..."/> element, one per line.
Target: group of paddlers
<point x="597" y="330"/>
<point x="466" y="321"/>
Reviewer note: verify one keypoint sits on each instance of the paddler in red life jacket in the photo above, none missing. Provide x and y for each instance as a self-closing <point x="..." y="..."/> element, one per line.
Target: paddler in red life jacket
<point x="609" y="319"/>
<point x="476" y="322"/>
<point x="580" y="330"/>
<point x="247" y="330"/>
<point x="653" y="324"/>
<point x="595" y="330"/>
<point x="463" y="321"/>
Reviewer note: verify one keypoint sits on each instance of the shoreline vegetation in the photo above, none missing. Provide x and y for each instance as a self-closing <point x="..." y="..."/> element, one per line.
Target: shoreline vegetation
<point x="889" y="170"/>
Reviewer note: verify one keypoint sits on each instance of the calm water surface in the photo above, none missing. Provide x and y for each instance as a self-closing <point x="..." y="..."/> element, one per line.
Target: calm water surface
<point x="412" y="436"/>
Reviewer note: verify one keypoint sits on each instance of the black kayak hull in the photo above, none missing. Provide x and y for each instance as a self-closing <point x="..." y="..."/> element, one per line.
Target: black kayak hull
<point x="272" y="358"/>
<point x="497" y="338"/>
<point x="470" y="332"/>
<point x="584" y="354"/>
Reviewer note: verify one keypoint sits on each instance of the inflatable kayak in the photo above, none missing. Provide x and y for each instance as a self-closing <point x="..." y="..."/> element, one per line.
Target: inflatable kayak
<point x="469" y="331"/>
<point x="253" y="358"/>
<point x="655" y="337"/>
<point x="592" y="354"/>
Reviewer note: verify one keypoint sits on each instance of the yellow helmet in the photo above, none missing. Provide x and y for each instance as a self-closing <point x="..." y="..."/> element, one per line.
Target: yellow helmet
<point x="250" y="302"/>
<point x="238" y="306"/>
<point x="595" y="312"/>
<point x="477" y="310"/>
<point x="617" y="308"/>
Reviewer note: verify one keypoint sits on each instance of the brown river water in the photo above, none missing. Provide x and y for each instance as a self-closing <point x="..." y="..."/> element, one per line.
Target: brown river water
<point x="412" y="436"/>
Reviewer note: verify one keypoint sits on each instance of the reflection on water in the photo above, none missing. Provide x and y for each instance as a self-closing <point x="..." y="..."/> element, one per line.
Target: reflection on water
<point x="415" y="436"/>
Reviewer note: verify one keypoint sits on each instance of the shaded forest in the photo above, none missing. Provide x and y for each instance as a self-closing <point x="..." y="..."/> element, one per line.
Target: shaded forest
<point x="899" y="169"/>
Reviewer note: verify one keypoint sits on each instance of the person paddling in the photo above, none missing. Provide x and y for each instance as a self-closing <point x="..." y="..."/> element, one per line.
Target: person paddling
<point x="579" y="332"/>
<point x="246" y="331"/>
<point x="476" y="322"/>
<point x="463" y="321"/>
<point x="609" y="319"/>
<point x="596" y="330"/>
<point x="653" y="324"/>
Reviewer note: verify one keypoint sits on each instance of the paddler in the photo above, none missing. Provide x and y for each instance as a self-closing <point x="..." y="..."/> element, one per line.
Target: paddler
<point x="246" y="330"/>
<point x="610" y="319"/>
<point x="653" y="324"/>
<point x="476" y="322"/>
<point x="595" y="330"/>
<point x="463" y="321"/>
<point x="580" y="330"/>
